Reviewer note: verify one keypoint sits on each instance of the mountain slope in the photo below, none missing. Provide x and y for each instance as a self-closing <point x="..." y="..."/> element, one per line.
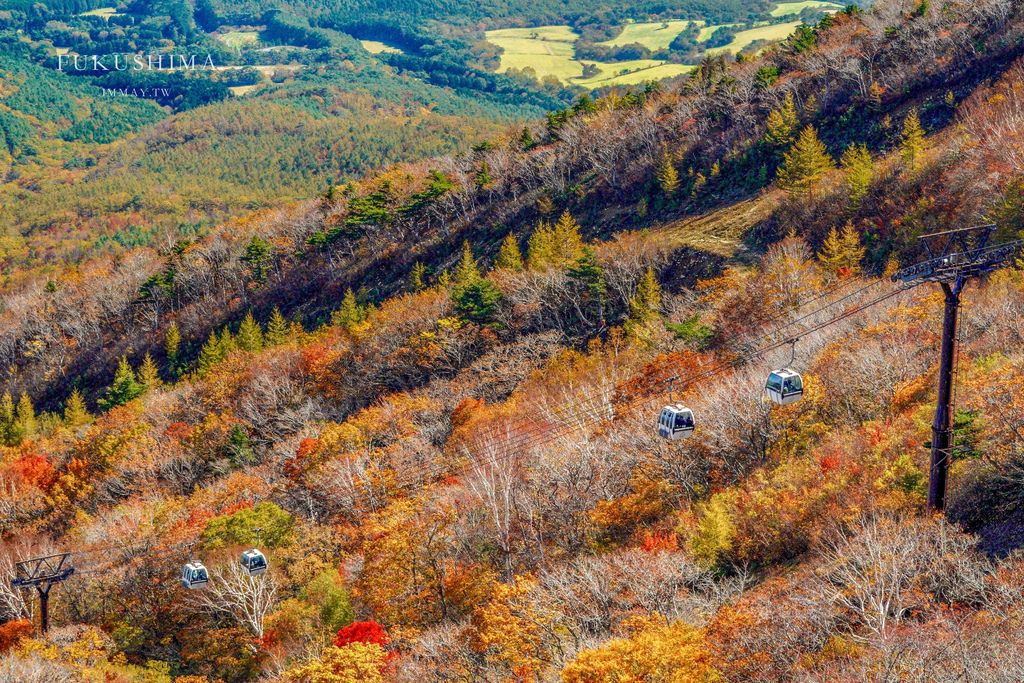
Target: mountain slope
<point x="446" y="444"/>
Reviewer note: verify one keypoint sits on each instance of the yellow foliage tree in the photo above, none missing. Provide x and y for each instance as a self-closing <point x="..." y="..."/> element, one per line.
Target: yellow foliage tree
<point x="354" y="663"/>
<point x="656" y="653"/>
<point x="510" y="629"/>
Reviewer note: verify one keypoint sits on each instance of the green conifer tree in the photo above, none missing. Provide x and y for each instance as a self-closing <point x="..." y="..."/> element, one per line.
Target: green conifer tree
<point x="76" y="413"/>
<point x="124" y="388"/>
<point x="226" y="342"/>
<point x="805" y="163"/>
<point x="277" y="329"/>
<point x="645" y="306"/>
<point x="25" y="424"/>
<point x="912" y="143"/>
<point x="209" y="355"/>
<point x="7" y="419"/>
<point x="842" y="252"/>
<point x="418" y="277"/>
<point x="149" y="375"/>
<point x="568" y="241"/>
<point x="589" y="273"/>
<point x="540" y="248"/>
<point x="860" y="172"/>
<point x="509" y="256"/>
<point x="172" y="347"/>
<point x="466" y="272"/>
<point x="782" y="123"/>
<point x="250" y="336"/>
<point x="667" y="175"/>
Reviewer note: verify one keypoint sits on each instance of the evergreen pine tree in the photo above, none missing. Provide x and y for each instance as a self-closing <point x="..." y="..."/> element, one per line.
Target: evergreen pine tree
<point x="588" y="272"/>
<point x="509" y="256"/>
<point x="804" y="163"/>
<point x="483" y="179"/>
<point x="912" y="143"/>
<point x="418" y="277"/>
<point x="645" y="305"/>
<point x="25" y="424"/>
<point x="149" y="375"/>
<point x="226" y="342"/>
<point x="540" y="248"/>
<point x="477" y="302"/>
<point x="6" y="419"/>
<point x="351" y="313"/>
<point x="860" y="172"/>
<point x="699" y="181"/>
<point x="782" y="123"/>
<point x="209" y="355"/>
<point x="668" y="176"/>
<point x="277" y="329"/>
<point x="76" y="413"/>
<point x="172" y="347"/>
<point x="258" y="257"/>
<point x="239" y="449"/>
<point x="568" y="241"/>
<point x="250" y="336"/>
<point x="466" y="272"/>
<point x="526" y="139"/>
<point x="842" y="253"/>
<point x="124" y="388"/>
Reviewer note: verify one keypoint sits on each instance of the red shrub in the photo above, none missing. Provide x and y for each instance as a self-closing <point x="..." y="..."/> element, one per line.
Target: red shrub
<point x="362" y="632"/>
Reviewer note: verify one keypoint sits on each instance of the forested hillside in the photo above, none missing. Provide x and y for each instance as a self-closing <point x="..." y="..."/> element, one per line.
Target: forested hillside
<point x="429" y="395"/>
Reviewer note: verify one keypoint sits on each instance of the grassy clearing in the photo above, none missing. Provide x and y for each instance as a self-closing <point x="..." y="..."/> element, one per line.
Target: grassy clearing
<point x="632" y="72"/>
<point x="774" y="32"/>
<point x="784" y="8"/>
<point x="721" y="231"/>
<point x="547" y="49"/>
<point x="239" y="90"/>
<point x="706" y="32"/>
<point x="238" y="39"/>
<point x="654" y="35"/>
<point x="376" y="47"/>
<point x="105" y="12"/>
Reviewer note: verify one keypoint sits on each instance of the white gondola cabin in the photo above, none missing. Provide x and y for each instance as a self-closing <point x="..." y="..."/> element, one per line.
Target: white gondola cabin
<point x="253" y="562"/>
<point x="784" y="387"/>
<point x="194" y="575"/>
<point x="675" y="422"/>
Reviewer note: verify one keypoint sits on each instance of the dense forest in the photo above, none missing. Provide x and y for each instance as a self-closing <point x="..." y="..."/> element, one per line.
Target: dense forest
<point x="429" y="395"/>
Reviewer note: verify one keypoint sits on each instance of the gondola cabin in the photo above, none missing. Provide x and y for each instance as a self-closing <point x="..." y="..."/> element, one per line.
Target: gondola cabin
<point x="784" y="387"/>
<point x="253" y="562"/>
<point x="675" y="422"/>
<point x="194" y="575"/>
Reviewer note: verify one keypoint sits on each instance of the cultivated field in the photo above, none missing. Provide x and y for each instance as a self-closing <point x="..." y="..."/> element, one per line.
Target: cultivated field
<point x="238" y="39"/>
<point x="548" y="50"/>
<point x="784" y="8"/>
<point x="105" y="12"/>
<point x="377" y="47"/>
<point x="655" y="35"/>
<point x="774" y="32"/>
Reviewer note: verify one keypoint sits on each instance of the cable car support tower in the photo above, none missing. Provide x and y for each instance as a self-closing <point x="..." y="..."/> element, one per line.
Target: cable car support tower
<point x="964" y="254"/>
<point x="42" y="573"/>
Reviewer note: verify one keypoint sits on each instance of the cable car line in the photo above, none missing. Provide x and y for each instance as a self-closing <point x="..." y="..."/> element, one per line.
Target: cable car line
<point x="538" y="433"/>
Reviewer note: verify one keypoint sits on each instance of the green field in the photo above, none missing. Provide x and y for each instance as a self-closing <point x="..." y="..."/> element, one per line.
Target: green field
<point x="238" y="39"/>
<point x="784" y="8"/>
<point x="654" y="35"/>
<point x="376" y="47"/>
<point x="706" y="32"/>
<point x="105" y="12"/>
<point x="773" y="32"/>
<point x="548" y="50"/>
<point x="632" y="72"/>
